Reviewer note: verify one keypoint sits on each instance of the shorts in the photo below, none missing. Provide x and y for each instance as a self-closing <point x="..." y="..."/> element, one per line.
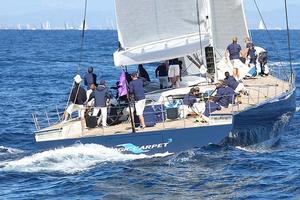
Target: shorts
<point x="239" y="88"/>
<point x="75" y="107"/>
<point x="174" y="71"/>
<point x="140" y="106"/>
<point x="237" y="63"/>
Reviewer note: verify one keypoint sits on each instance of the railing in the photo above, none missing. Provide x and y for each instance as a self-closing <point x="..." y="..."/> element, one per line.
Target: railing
<point x="257" y="95"/>
<point x="160" y="113"/>
<point x="46" y="118"/>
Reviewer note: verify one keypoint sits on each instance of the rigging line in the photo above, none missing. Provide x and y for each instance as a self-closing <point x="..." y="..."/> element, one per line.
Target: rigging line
<point x="288" y="35"/>
<point x="129" y="103"/>
<point x="199" y="27"/>
<point x="82" y="37"/>
<point x="270" y="36"/>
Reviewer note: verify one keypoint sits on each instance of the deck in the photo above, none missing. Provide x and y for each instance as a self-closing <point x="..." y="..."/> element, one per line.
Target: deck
<point x="261" y="89"/>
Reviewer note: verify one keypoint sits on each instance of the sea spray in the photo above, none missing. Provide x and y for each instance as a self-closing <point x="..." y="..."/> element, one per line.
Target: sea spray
<point x="69" y="160"/>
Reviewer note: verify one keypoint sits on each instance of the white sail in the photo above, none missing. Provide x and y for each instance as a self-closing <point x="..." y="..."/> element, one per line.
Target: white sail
<point x="46" y="26"/>
<point x="228" y="20"/>
<point x="81" y="26"/>
<point x="261" y="25"/>
<point x="153" y="30"/>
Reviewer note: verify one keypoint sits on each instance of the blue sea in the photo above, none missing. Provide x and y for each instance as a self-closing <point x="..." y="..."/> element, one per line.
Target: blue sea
<point x="36" y="74"/>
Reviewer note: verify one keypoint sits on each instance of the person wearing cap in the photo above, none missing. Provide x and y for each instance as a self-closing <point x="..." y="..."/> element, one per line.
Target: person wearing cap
<point x="137" y="89"/>
<point x="77" y="100"/>
<point x="233" y="51"/>
<point x="101" y="96"/>
<point x="225" y="95"/>
<point x="191" y="104"/>
<point x="90" y="78"/>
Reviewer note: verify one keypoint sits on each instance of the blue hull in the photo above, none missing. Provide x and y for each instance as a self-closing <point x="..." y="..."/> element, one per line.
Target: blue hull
<point x="171" y="141"/>
<point x="262" y="123"/>
<point x="249" y="127"/>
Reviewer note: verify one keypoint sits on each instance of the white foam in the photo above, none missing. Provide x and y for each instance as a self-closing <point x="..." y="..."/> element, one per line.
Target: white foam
<point x="297" y="109"/>
<point x="9" y="150"/>
<point x="71" y="159"/>
<point x="250" y="149"/>
<point x="264" y="147"/>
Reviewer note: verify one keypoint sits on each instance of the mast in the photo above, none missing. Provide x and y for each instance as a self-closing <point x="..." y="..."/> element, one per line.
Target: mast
<point x="82" y="36"/>
<point x="288" y="35"/>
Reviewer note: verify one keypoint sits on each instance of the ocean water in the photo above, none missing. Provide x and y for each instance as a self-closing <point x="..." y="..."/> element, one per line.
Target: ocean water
<point x="37" y="68"/>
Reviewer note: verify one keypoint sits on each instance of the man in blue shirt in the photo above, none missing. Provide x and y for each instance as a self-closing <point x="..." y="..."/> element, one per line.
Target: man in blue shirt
<point x="234" y="50"/>
<point x="225" y="95"/>
<point x="101" y="95"/>
<point x="191" y="105"/>
<point x="251" y="52"/>
<point x="90" y="78"/>
<point x="136" y="88"/>
<point x="162" y="72"/>
<point x="231" y="82"/>
<point x="210" y="107"/>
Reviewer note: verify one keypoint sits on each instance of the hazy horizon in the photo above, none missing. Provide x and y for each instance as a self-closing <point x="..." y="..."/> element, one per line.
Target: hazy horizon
<point x="100" y="13"/>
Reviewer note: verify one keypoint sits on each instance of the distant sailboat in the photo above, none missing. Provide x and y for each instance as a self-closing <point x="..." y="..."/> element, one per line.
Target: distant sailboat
<point x="66" y="26"/>
<point x="19" y="27"/>
<point x="46" y="26"/>
<point x="81" y="26"/>
<point x="261" y="26"/>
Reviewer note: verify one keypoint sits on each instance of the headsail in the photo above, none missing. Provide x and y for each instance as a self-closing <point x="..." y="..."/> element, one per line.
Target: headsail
<point x="152" y="30"/>
<point x="228" y="20"/>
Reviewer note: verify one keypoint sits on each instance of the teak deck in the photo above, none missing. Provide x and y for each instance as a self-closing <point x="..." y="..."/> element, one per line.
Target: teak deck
<point x="261" y="89"/>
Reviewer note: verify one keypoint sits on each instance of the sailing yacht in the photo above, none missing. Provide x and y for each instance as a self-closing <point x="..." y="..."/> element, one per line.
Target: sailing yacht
<point x="261" y="25"/>
<point x="197" y="33"/>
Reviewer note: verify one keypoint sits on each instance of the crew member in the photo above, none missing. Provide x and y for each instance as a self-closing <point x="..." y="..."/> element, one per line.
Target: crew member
<point x="77" y="100"/>
<point x="225" y="95"/>
<point x="231" y="82"/>
<point x="137" y="89"/>
<point x="210" y="107"/>
<point x="101" y="95"/>
<point x="251" y="52"/>
<point x="162" y="72"/>
<point x="174" y="73"/>
<point x="88" y="95"/>
<point x="191" y="104"/>
<point x="233" y="50"/>
<point x="90" y="78"/>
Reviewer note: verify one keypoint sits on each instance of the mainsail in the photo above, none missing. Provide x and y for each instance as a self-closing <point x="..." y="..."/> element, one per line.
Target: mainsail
<point x="228" y="20"/>
<point x="153" y="30"/>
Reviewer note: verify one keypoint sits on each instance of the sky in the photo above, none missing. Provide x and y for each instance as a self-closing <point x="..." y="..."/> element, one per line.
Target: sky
<point x="101" y="13"/>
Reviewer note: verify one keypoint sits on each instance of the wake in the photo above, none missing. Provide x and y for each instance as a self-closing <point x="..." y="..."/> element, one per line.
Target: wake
<point x="9" y="150"/>
<point x="70" y="160"/>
